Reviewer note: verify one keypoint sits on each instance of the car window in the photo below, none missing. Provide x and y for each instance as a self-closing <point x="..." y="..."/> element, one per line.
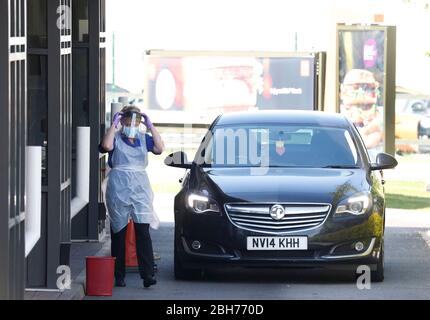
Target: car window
<point x="419" y="108"/>
<point x="281" y="146"/>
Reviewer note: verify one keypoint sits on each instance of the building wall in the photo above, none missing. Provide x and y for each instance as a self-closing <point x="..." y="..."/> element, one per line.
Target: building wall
<point x="46" y="122"/>
<point x="49" y="107"/>
<point x="54" y="83"/>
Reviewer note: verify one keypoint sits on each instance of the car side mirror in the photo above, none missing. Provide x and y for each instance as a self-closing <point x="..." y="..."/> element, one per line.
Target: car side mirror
<point x="178" y="160"/>
<point x="384" y="161"/>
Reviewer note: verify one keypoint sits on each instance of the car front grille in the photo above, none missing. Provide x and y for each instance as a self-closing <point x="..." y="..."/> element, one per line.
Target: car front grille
<point x="298" y="217"/>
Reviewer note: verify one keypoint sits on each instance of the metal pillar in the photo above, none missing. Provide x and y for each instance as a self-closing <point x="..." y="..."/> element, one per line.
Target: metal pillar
<point x="97" y="101"/>
<point x="13" y="134"/>
<point x="50" y="53"/>
<point x="59" y="139"/>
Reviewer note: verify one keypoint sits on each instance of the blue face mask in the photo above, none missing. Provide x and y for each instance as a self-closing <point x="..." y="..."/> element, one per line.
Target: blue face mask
<point x="130" y="132"/>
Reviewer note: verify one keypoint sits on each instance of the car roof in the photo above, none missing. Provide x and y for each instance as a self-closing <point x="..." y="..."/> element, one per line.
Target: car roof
<point x="291" y="117"/>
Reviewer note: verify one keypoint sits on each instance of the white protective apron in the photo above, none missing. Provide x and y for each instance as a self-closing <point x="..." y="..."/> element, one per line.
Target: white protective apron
<point x="128" y="190"/>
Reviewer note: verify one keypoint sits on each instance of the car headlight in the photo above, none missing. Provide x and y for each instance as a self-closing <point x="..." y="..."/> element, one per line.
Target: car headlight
<point x="201" y="203"/>
<point x="356" y="205"/>
<point x="425" y="123"/>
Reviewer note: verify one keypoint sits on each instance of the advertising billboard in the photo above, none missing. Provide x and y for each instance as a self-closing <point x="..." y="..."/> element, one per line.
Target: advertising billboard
<point x="288" y="83"/>
<point x="212" y="83"/>
<point x="365" y="95"/>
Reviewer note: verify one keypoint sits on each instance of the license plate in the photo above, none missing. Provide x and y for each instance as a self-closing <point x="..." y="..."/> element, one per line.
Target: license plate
<point x="277" y="243"/>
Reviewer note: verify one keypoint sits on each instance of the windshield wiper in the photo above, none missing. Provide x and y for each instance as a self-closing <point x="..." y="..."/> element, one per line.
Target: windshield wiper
<point x="289" y="167"/>
<point x="340" y="167"/>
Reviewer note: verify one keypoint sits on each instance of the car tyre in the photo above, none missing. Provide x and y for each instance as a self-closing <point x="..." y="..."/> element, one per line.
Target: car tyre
<point x="182" y="273"/>
<point x="378" y="274"/>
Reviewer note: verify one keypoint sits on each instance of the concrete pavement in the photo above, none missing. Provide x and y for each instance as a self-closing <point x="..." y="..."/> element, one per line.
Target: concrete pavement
<point x="407" y="272"/>
<point x="78" y="252"/>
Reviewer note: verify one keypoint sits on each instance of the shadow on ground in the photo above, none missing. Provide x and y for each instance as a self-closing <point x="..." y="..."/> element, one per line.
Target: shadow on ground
<point x="253" y="276"/>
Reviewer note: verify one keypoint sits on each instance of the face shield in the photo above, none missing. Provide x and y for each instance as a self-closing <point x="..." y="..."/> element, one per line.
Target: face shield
<point x="131" y="124"/>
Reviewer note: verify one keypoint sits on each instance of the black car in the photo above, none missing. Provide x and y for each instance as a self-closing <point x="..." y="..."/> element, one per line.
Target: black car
<point x="280" y="189"/>
<point x="424" y="133"/>
<point x="422" y="108"/>
<point x="424" y="128"/>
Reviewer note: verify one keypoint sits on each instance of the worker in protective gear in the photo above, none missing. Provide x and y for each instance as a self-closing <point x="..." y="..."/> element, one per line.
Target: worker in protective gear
<point x="128" y="190"/>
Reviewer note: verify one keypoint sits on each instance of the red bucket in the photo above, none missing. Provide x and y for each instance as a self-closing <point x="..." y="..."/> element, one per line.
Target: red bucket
<point x="100" y="276"/>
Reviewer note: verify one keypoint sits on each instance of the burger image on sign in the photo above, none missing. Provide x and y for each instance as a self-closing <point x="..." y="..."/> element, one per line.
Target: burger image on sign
<point x="359" y="96"/>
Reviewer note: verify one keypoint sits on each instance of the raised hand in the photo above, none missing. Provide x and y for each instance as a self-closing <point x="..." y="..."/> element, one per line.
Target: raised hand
<point x="148" y="122"/>
<point x="117" y="118"/>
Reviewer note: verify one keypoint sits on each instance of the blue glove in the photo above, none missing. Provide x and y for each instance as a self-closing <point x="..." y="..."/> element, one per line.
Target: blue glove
<point x="148" y="122"/>
<point x="117" y="118"/>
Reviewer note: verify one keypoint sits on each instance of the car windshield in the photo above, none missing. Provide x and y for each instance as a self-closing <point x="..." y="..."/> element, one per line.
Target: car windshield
<point x="279" y="146"/>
